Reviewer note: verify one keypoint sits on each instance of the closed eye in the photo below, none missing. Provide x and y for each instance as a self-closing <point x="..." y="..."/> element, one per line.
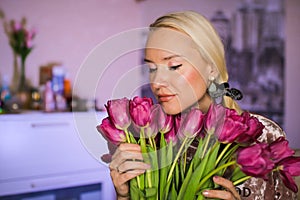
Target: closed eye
<point x="173" y="68"/>
<point x="151" y="70"/>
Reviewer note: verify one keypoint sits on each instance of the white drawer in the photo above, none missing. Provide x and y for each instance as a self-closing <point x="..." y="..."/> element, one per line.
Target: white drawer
<point x="39" y="151"/>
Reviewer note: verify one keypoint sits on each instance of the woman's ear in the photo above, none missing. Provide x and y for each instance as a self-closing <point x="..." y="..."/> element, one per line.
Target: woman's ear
<point x="213" y="71"/>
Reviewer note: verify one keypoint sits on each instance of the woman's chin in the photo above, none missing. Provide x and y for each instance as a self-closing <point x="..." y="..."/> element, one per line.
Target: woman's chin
<point x="171" y="110"/>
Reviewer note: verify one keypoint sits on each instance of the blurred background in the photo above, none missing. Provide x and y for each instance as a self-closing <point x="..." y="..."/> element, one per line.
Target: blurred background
<point x="261" y="40"/>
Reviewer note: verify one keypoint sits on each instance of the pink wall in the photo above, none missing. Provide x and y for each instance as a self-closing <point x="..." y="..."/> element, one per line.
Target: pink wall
<point x="68" y="30"/>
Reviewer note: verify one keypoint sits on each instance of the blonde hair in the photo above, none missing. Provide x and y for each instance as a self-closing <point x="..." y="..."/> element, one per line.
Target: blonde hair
<point x="206" y="38"/>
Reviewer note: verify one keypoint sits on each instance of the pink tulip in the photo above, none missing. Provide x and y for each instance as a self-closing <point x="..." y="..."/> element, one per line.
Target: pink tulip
<point x="165" y="122"/>
<point x="215" y="116"/>
<point x="192" y="124"/>
<point x="154" y="121"/>
<point x="110" y="132"/>
<point x="255" y="160"/>
<point x="290" y="167"/>
<point x="254" y="129"/>
<point x="30" y="34"/>
<point x="230" y="130"/>
<point x="118" y="111"/>
<point x="171" y="136"/>
<point x="17" y="26"/>
<point x="28" y="44"/>
<point x="280" y="149"/>
<point x="139" y="109"/>
<point x="227" y="123"/>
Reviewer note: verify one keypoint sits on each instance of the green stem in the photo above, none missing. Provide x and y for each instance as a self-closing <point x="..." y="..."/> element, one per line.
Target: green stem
<point x="151" y="142"/>
<point x="222" y="153"/>
<point x="241" y="180"/>
<point x="214" y="172"/>
<point x="127" y="136"/>
<point x="206" y="144"/>
<point x="144" y="151"/>
<point x="175" y="160"/>
<point x="129" y="141"/>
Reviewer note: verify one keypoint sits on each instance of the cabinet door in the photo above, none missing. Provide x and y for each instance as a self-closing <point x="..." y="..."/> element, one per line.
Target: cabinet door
<point x="47" y="150"/>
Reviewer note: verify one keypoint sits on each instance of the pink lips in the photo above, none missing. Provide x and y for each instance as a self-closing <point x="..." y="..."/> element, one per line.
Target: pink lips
<point x="165" y="97"/>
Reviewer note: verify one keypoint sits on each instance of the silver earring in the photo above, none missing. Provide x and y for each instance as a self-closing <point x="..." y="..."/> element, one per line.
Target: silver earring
<point x="215" y="91"/>
<point x="212" y="88"/>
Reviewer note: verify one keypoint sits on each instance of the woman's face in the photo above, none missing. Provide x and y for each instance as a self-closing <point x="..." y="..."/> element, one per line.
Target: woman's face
<point x="178" y="74"/>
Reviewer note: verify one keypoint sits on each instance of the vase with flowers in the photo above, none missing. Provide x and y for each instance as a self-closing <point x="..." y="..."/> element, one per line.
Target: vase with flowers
<point x="20" y="40"/>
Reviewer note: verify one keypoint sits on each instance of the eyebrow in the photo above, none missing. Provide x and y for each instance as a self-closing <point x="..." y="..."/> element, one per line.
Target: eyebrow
<point x="164" y="59"/>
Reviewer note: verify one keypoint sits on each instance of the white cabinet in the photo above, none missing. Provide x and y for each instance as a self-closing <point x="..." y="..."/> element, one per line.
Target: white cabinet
<point x="40" y="152"/>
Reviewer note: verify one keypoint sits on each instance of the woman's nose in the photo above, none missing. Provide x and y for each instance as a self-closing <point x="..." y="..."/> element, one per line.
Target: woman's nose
<point x="160" y="79"/>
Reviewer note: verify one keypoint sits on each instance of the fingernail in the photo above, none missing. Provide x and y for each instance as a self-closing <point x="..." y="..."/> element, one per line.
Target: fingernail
<point x="216" y="178"/>
<point x="205" y="193"/>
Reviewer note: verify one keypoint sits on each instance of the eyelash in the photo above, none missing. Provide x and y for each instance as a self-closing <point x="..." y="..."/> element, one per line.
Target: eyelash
<point x="172" y="68"/>
<point x="175" y="67"/>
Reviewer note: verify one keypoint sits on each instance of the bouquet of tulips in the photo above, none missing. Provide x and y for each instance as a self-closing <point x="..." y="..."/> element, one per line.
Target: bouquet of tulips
<point x="185" y="151"/>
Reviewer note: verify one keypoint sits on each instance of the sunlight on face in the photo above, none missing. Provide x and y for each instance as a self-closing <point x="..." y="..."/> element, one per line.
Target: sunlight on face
<point x="178" y="74"/>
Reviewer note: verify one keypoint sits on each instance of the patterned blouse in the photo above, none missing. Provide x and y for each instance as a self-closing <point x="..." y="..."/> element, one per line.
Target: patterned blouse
<point x="273" y="189"/>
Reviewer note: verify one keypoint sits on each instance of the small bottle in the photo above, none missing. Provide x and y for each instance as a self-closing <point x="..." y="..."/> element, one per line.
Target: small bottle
<point x="49" y="101"/>
<point x="4" y="90"/>
<point x="68" y="93"/>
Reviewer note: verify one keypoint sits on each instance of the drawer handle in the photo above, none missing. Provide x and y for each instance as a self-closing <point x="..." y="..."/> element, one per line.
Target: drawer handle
<point x="47" y="124"/>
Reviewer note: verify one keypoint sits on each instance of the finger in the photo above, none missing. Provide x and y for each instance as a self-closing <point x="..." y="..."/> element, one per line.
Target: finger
<point x="125" y="157"/>
<point x="129" y="147"/>
<point x="132" y="165"/>
<point x="121" y="178"/>
<point x="134" y="148"/>
<point x="226" y="184"/>
<point x="125" y="152"/>
<point x="220" y="194"/>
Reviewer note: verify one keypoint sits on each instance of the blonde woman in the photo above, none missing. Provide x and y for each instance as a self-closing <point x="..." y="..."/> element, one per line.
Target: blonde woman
<point x="187" y="69"/>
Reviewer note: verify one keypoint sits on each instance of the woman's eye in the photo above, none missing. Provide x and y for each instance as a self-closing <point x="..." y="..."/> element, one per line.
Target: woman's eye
<point x="175" y="67"/>
<point x="151" y="70"/>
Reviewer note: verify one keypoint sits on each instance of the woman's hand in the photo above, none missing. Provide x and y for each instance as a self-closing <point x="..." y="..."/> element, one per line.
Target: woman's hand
<point x="127" y="163"/>
<point x="229" y="193"/>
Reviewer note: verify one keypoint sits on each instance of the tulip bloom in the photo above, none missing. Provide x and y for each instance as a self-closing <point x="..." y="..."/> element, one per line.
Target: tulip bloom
<point x="280" y="149"/>
<point x="164" y="121"/>
<point x="154" y="121"/>
<point x="230" y="130"/>
<point x="192" y="124"/>
<point x="255" y="160"/>
<point x="288" y="168"/>
<point x="110" y="132"/>
<point x="254" y="129"/>
<point x="171" y="136"/>
<point x="118" y="111"/>
<point x="139" y="109"/>
<point x="215" y="116"/>
<point x="226" y="123"/>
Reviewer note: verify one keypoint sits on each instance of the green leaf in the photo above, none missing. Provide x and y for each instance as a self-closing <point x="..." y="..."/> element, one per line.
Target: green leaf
<point x="177" y="177"/>
<point x="237" y="174"/>
<point x="163" y="166"/>
<point x="186" y="181"/>
<point x="197" y="157"/>
<point x="132" y="139"/>
<point x="173" y="193"/>
<point x="196" y="177"/>
<point x="135" y="192"/>
<point x="150" y="193"/>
